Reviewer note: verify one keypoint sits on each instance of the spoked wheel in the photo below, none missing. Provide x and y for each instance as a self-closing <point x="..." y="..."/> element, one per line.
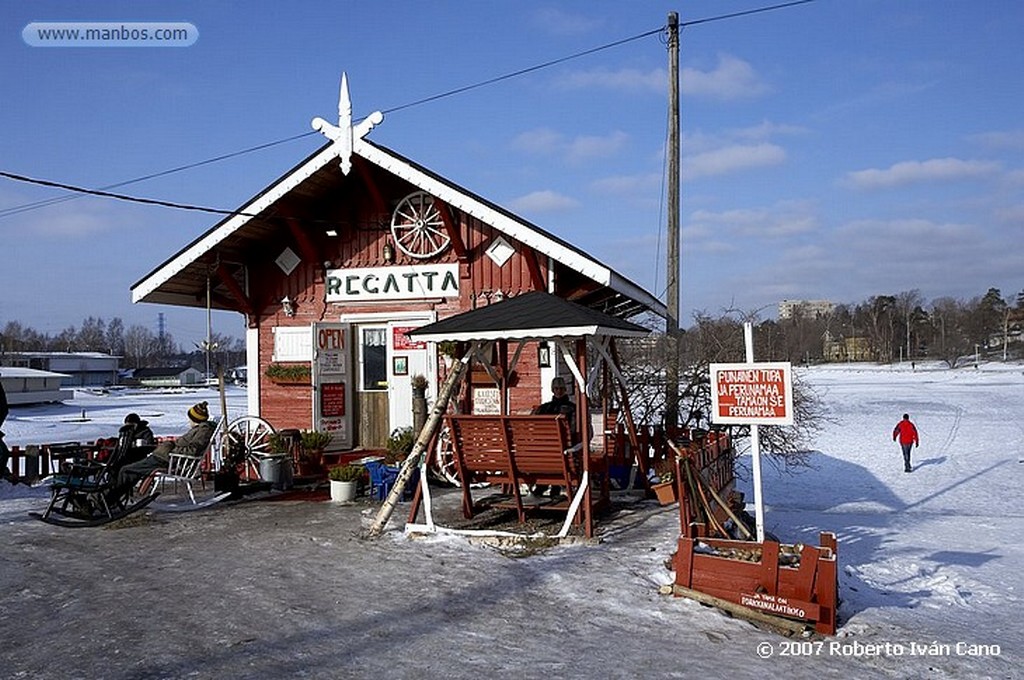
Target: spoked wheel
<point x="250" y="434"/>
<point x="443" y="463"/>
<point x="418" y="227"/>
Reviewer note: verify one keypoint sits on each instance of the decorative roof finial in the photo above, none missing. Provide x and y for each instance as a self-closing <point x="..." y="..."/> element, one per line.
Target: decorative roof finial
<point x="344" y="133"/>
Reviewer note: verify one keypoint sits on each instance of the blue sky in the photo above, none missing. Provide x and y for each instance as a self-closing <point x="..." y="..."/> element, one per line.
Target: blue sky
<point x="838" y="149"/>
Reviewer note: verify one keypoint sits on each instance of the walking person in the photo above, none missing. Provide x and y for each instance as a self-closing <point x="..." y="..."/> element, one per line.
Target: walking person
<point x="906" y="432"/>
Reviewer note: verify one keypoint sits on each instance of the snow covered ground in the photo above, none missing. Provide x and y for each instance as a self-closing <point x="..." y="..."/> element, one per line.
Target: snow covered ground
<point x="931" y="565"/>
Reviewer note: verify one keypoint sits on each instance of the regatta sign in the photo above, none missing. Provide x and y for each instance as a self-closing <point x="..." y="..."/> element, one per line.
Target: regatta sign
<point x="752" y="394"/>
<point x="407" y="282"/>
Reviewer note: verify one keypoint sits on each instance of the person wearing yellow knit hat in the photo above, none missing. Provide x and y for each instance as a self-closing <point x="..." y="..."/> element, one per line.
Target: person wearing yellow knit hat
<point x="192" y="443"/>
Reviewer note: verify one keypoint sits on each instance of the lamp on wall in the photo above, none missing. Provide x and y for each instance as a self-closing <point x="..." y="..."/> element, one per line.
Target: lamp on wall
<point x="544" y="355"/>
<point x="388" y="252"/>
<point x="288" y="306"/>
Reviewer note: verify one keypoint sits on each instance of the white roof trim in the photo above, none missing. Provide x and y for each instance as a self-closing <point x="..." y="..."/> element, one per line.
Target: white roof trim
<point x="254" y="207"/>
<point x="531" y="334"/>
<point x="484" y="213"/>
<point x="502" y="222"/>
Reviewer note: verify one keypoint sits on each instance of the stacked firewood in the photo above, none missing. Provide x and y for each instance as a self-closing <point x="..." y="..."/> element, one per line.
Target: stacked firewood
<point x="789" y="555"/>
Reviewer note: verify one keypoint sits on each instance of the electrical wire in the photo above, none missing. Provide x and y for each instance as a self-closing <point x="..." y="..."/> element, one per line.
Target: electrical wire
<point x="524" y="71"/>
<point x="189" y="166"/>
<point x="105" y="193"/>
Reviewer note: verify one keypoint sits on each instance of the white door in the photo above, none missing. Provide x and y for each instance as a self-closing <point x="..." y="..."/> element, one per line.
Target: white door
<point x="407" y="357"/>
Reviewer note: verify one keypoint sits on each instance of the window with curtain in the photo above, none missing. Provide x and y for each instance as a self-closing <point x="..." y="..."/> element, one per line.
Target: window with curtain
<point x="375" y="356"/>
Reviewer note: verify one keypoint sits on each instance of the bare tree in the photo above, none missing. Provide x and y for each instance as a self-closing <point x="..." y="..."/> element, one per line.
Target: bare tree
<point x="905" y="305"/>
<point x="715" y="340"/>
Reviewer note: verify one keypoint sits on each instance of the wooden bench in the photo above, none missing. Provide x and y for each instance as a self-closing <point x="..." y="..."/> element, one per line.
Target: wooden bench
<point x="520" y="450"/>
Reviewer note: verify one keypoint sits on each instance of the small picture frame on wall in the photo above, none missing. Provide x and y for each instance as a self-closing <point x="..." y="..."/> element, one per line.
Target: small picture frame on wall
<point x="400" y="365"/>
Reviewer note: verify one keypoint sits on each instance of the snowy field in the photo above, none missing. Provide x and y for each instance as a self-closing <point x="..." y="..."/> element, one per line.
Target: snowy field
<point x="931" y="565"/>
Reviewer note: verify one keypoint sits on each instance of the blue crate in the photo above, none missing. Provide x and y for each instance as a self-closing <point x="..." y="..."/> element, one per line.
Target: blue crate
<point x="382" y="478"/>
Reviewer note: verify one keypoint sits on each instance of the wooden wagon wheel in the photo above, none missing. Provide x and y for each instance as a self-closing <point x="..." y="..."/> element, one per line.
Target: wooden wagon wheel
<point x="442" y="465"/>
<point x="249" y="433"/>
<point x="418" y="227"/>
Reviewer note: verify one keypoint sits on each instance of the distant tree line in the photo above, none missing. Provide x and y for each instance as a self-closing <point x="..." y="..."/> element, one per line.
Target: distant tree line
<point x="900" y="327"/>
<point x="883" y="328"/>
<point x="138" y="346"/>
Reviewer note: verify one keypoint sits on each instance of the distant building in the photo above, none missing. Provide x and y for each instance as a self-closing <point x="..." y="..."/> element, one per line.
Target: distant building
<point x="808" y="309"/>
<point x="31" y="386"/>
<point x="168" y="376"/>
<point x="846" y="349"/>
<point x="79" y="369"/>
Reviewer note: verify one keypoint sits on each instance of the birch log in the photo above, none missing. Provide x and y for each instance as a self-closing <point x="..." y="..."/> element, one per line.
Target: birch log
<point x="419" y="449"/>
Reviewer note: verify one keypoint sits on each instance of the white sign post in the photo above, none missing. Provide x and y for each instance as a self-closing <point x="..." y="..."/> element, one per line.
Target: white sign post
<point x="751" y="394"/>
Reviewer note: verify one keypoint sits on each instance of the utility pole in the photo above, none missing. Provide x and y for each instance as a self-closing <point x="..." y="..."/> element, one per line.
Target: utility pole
<point x="672" y="251"/>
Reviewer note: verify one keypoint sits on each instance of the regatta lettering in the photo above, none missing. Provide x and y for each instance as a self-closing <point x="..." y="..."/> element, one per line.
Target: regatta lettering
<point x="392" y="283"/>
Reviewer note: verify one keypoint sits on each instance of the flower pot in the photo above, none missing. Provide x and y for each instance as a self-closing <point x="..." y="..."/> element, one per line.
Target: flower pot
<point x="665" y="492"/>
<point x="343" y="492"/>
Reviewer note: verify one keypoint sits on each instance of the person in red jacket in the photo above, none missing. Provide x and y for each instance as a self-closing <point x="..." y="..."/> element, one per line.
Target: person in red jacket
<point x="907" y="434"/>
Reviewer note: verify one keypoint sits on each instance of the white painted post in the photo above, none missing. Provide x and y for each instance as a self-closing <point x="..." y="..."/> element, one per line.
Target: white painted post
<point x="755" y="444"/>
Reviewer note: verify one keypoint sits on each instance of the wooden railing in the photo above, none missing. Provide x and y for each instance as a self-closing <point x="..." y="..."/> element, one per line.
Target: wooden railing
<point x="35" y="461"/>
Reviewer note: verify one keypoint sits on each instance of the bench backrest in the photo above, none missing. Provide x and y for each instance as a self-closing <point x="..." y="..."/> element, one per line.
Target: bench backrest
<point x="539" y="446"/>
<point x="520" y="448"/>
<point x="481" y="447"/>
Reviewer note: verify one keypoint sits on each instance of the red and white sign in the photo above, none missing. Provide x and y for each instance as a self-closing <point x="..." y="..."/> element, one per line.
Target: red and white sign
<point x="754" y="393"/>
<point x="401" y="341"/>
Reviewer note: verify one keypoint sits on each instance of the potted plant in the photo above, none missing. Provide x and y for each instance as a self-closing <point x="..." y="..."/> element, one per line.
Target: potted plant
<point x="447" y="348"/>
<point x="398" y="446"/>
<point x="289" y="374"/>
<point x="313" y="443"/>
<point x="665" y="488"/>
<point x="344" y="479"/>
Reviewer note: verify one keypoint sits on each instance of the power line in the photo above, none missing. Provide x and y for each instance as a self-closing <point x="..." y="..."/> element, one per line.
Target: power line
<point x="744" y="13"/>
<point x="189" y="166"/>
<point x="104" y="192"/>
<point x="531" y="69"/>
<point x="119" y="197"/>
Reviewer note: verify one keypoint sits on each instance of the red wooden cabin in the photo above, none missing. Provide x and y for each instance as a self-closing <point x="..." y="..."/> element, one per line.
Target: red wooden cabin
<point x="333" y="263"/>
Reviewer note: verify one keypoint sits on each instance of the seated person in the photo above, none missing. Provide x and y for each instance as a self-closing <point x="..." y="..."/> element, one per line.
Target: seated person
<point x="192" y="443"/>
<point x="138" y="432"/>
<point x="559" y="404"/>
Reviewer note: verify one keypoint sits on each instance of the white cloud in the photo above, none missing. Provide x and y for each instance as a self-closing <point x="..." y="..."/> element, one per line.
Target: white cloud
<point x="559" y="22"/>
<point x="732" y="158"/>
<point x="544" y="141"/>
<point x="1005" y="139"/>
<point x="588" y="147"/>
<point x="627" y="184"/>
<point x="911" y="172"/>
<point x="944" y="241"/>
<point x="620" y="80"/>
<point x="539" y="141"/>
<point x="786" y="218"/>
<point x="545" y="201"/>
<point x="68" y="219"/>
<point x="1011" y="214"/>
<point x="732" y="78"/>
